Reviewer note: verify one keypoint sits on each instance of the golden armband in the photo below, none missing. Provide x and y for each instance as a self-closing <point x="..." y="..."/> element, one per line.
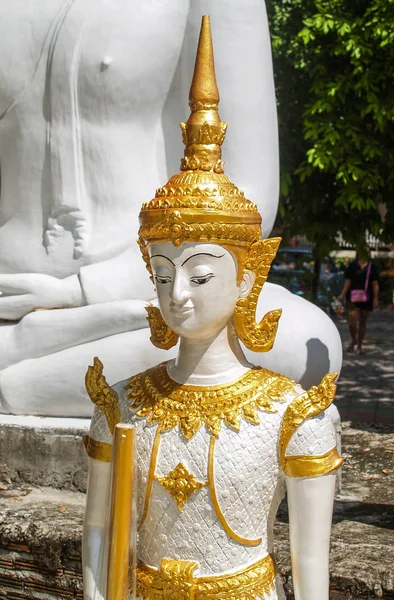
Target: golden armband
<point x="98" y="450"/>
<point x="312" y="466"/>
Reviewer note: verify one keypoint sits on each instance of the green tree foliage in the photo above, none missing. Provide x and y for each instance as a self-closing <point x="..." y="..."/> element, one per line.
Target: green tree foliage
<point x="334" y="72"/>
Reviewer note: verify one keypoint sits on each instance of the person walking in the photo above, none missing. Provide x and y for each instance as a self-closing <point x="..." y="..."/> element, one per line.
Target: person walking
<point x="361" y="290"/>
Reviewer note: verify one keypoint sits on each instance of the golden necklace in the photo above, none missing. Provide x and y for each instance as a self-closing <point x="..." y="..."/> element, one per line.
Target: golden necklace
<point x="160" y="399"/>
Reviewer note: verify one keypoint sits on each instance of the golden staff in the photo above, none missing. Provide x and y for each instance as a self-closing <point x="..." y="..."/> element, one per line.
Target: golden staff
<point x="122" y="539"/>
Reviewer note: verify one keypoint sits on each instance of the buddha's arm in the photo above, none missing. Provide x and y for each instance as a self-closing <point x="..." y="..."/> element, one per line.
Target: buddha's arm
<point x="20" y="293"/>
<point x="245" y="78"/>
<point x="47" y="331"/>
<point x="106" y="281"/>
<point x="107" y="288"/>
<point x="94" y="541"/>
<point x="310" y="503"/>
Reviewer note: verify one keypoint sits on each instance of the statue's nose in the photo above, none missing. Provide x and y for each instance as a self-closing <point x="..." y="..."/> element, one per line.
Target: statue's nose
<point x="180" y="292"/>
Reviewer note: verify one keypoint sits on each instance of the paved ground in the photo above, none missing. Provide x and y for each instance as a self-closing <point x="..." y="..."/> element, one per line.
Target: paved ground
<point x="366" y="385"/>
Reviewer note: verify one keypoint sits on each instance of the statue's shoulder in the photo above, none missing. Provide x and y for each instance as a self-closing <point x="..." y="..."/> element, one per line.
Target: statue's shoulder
<point x="310" y="403"/>
<point x="151" y="373"/>
<point x="276" y="380"/>
<point x="112" y="408"/>
<point x="306" y="428"/>
<point x="105" y="397"/>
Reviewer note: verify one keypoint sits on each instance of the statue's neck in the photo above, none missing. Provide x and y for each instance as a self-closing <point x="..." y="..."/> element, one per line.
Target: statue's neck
<point x="207" y="362"/>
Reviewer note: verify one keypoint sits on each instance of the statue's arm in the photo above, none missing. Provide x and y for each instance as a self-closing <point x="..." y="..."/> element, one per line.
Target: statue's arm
<point x="99" y="283"/>
<point x="310" y="502"/>
<point x="309" y="460"/>
<point x="99" y="448"/>
<point x="111" y="280"/>
<point x="21" y="293"/>
<point x="244" y="72"/>
<point x="94" y="542"/>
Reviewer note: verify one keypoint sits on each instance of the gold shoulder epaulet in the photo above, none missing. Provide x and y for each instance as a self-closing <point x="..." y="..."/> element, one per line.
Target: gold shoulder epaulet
<point x="101" y="393"/>
<point x="305" y="406"/>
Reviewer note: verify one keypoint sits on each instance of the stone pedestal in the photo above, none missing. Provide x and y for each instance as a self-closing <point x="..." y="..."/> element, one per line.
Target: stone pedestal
<point x="43" y="451"/>
<point x="43" y="472"/>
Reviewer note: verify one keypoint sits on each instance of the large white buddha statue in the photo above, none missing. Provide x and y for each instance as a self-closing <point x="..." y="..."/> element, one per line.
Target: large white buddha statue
<point x="89" y="98"/>
<point x="217" y="439"/>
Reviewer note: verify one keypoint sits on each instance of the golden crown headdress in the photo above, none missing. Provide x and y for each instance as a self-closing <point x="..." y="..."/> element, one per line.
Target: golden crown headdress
<point x="201" y="204"/>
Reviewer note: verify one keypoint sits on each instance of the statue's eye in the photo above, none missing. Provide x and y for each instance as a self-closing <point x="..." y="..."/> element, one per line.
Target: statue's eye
<point x="162" y="279"/>
<point x="202" y="279"/>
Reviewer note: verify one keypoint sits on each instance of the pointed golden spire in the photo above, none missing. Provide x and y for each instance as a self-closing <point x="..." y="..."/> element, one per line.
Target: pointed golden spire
<point x="204" y="89"/>
<point x="201" y="204"/>
<point x="203" y="133"/>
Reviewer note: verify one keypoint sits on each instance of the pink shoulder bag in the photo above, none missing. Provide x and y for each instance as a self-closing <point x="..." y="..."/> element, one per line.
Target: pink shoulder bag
<point x="361" y="295"/>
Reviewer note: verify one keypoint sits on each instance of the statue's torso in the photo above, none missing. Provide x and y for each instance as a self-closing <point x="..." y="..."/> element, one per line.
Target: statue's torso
<point x="108" y="80"/>
<point x="248" y="485"/>
<point x="224" y="517"/>
<point x="211" y="464"/>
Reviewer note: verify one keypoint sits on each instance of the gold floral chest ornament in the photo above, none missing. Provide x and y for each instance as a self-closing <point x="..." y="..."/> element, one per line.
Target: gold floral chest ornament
<point x="181" y="484"/>
<point x="154" y="396"/>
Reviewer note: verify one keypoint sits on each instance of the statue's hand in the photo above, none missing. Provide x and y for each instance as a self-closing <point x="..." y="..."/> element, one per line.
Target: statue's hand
<point x="23" y="293"/>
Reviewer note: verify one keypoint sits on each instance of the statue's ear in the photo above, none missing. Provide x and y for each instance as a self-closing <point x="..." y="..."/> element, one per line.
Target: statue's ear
<point x="246" y="284"/>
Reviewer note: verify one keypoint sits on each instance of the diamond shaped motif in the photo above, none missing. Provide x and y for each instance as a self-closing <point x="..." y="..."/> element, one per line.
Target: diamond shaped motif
<point x="181" y="485"/>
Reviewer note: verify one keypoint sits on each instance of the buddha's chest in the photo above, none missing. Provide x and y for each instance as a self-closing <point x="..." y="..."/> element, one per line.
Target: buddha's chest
<point x="115" y="55"/>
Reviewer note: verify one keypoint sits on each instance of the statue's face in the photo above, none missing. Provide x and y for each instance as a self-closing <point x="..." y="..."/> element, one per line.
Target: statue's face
<point x="196" y="286"/>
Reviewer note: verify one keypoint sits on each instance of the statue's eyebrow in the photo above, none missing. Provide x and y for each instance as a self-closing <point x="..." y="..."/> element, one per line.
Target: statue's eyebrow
<point x="162" y="256"/>
<point x="201" y="254"/>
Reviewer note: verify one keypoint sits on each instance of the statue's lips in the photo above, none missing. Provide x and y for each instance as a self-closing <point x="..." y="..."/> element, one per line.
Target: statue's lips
<point x="182" y="312"/>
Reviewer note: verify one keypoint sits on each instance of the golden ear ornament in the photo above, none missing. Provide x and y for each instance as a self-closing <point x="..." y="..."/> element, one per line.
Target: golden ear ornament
<point x="258" y="337"/>
<point x="161" y="335"/>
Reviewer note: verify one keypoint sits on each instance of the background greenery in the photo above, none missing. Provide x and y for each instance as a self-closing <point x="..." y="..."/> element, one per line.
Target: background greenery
<point x="334" y="67"/>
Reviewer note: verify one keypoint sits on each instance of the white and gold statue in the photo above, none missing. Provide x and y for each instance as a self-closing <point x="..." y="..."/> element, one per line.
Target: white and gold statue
<point x="218" y="440"/>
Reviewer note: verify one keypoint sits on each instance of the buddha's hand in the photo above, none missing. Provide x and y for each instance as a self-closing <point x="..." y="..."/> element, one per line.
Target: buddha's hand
<point x="20" y="294"/>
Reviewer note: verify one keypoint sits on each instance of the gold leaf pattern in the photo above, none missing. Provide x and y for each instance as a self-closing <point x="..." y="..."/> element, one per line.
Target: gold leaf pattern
<point x="101" y="393"/>
<point x="185" y="229"/>
<point x="175" y="581"/>
<point x="307" y="405"/>
<point x="158" y="398"/>
<point x="181" y="485"/>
